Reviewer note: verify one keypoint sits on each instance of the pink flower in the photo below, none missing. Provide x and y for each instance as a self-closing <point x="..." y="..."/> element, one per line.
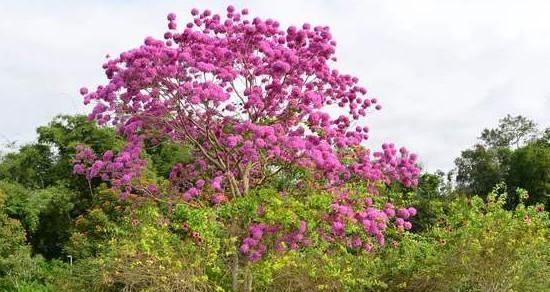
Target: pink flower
<point x="337" y="227"/>
<point x="171" y="16"/>
<point x="216" y="183"/>
<point x="255" y="256"/>
<point x="281" y="67"/>
<point x="217" y="199"/>
<point x="200" y="183"/>
<point x="152" y="188"/>
<point x="244" y="248"/>
<point x="399" y="222"/>
<point x="78" y="169"/>
<point x="403" y="213"/>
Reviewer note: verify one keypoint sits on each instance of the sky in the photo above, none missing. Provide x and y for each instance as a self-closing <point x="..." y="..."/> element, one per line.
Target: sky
<point x="442" y="69"/>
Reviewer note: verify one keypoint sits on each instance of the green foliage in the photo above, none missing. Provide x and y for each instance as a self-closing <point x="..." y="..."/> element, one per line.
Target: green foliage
<point x="49" y="161"/>
<point x="475" y="246"/>
<point x="19" y="270"/>
<point x="483" y="247"/>
<point x="164" y="156"/>
<point x="44" y="213"/>
<point x="30" y="166"/>
<point x="42" y="191"/>
<point x="546" y="136"/>
<point x="459" y="242"/>
<point x="527" y="167"/>
<point x="143" y="251"/>
<point x="511" y="131"/>
<point x="515" y="153"/>
<point x="61" y="136"/>
<point x="530" y="169"/>
<point x="64" y="132"/>
<point x="480" y="169"/>
<point x="429" y="185"/>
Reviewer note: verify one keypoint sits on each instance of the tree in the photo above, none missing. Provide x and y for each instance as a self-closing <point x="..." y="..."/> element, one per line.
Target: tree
<point x="252" y="103"/>
<point x="546" y="135"/>
<point x="481" y="168"/>
<point x="61" y="136"/>
<point x="48" y="162"/>
<point x="530" y="170"/>
<point x="38" y="179"/>
<point x="46" y="214"/>
<point x="434" y="185"/>
<point x="493" y="162"/>
<point x="18" y="269"/>
<point x="511" y="131"/>
<point x="30" y="166"/>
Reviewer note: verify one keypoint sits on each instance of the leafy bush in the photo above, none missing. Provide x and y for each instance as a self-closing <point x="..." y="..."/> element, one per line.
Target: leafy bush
<point x="483" y="247"/>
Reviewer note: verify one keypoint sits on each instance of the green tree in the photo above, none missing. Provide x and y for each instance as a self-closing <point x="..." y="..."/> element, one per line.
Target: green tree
<point x="30" y="166"/>
<point x="511" y="131"/>
<point x="481" y="246"/>
<point x="480" y="169"/>
<point x="18" y="269"/>
<point x="44" y="213"/>
<point x="546" y="135"/>
<point x="41" y="189"/>
<point x="48" y="162"/>
<point x="514" y="153"/>
<point x="530" y="170"/>
<point x="61" y="136"/>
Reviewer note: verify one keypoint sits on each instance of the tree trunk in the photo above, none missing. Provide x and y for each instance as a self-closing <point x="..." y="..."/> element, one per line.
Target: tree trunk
<point x="235" y="271"/>
<point x="248" y="281"/>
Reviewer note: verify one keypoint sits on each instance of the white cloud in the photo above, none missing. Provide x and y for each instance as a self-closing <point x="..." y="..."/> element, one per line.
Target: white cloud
<point x="442" y="69"/>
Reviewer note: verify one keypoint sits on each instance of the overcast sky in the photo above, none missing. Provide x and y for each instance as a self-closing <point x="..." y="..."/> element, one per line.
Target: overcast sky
<point x="443" y="70"/>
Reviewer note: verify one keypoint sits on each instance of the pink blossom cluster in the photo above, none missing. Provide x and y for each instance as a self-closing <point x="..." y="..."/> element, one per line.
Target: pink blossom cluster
<point x="390" y="165"/>
<point x="254" y="247"/>
<point x="293" y="240"/>
<point x="346" y="212"/>
<point x="186" y="180"/>
<point x="118" y="169"/>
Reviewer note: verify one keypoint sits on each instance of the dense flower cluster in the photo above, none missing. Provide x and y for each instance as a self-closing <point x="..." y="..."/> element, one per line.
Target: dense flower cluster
<point x="346" y="212"/>
<point x="251" y="99"/>
<point x="255" y="248"/>
<point x="118" y="169"/>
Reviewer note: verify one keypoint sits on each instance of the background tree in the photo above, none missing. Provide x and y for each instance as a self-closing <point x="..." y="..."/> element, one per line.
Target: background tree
<point x="515" y="153"/>
<point x="546" y="135"/>
<point x="511" y="131"/>
<point x="480" y="169"/>
<point x="30" y="166"/>
<point x="42" y="191"/>
<point x="48" y="162"/>
<point x="530" y="170"/>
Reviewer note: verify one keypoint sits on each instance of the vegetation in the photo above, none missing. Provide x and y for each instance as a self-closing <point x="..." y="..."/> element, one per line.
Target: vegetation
<point x="517" y="153"/>
<point x="182" y="179"/>
<point x="458" y="242"/>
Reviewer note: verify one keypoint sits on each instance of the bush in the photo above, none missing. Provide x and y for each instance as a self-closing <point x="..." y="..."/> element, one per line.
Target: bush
<point x="480" y="246"/>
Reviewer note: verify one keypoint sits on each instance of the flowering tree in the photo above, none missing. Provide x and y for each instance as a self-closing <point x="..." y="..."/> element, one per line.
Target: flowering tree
<point x="253" y="101"/>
